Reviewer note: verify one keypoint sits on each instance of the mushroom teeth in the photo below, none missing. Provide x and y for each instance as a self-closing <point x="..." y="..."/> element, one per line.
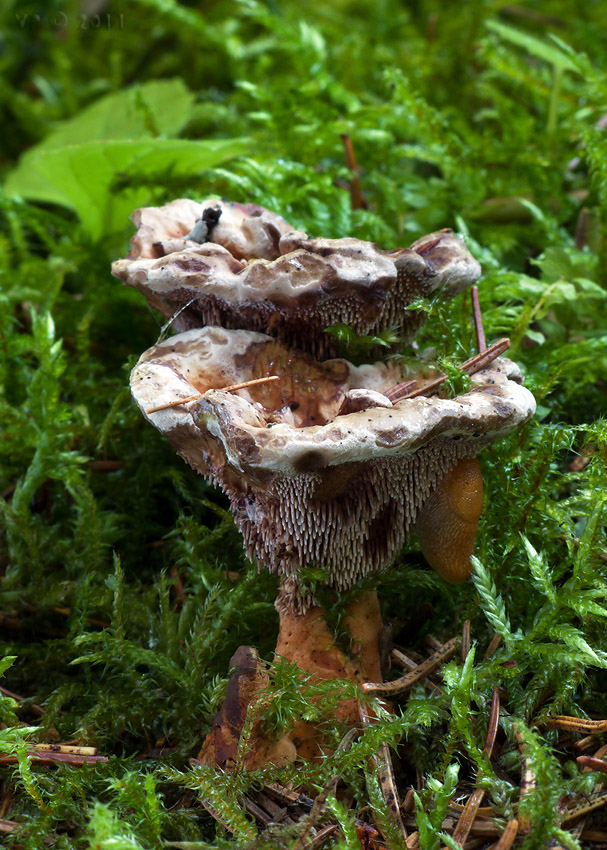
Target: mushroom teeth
<point x="337" y="491"/>
<point x="242" y="266"/>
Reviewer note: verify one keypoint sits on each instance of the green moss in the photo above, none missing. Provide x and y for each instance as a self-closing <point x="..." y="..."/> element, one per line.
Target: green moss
<point x="125" y="590"/>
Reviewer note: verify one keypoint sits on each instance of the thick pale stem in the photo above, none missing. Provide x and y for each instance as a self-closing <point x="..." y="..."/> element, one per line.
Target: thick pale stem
<point x="306" y="640"/>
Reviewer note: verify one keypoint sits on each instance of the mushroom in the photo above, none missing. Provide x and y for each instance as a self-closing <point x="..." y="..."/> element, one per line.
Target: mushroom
<point x="339" y="482"/>
<point x="240" y="265"/>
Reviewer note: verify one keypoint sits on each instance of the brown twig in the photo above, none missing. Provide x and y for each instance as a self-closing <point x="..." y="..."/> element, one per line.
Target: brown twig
<point x="574" y="724"/>
<point x="483" y="811"/>
<point x="592" y="763"/>
<point x="106" y="465"/>
<point x="357" y="198"/>
<point x="398" y="686"/>
<point x="230" y="389"/>
<point x="481" y="344"/>
<point x="408" y="804"/>
<point x="279" y="813"/>
<point x="594" y="836"/>
<point x="465" y="640"/>
<point x="400" y="390"/>
<point x="9" y="825"/>
<point x="69" y="749"/>
<point x="596" y="800"/>
<point x="47" y="757"/>
<point x="484" y="358"/>
<point x="409" y="664"/>
<point x="494" y="645"/>
<point x="35" y="709"/>
<point x="433" y="643"/>
<point x="493" y="722"/>
<point x="323" y="834"/>
<point x="257" y="811"/>
<point x="508" y="835"/>
<point x="586" y="743"/>
<point x="428" y="246"/>
<point x="464" y="824"/>
<point x="474" y="364"/>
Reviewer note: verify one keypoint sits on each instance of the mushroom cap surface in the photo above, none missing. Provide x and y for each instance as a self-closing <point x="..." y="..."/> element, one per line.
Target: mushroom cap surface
<point x="308" y="485"/>
<point x="250" y="269"/>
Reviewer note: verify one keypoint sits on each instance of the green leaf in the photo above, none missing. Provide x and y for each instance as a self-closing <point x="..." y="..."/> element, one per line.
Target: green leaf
<point x="157" y="108"/>
<point x="81" y="177"/>
<point x="537" y="47"/>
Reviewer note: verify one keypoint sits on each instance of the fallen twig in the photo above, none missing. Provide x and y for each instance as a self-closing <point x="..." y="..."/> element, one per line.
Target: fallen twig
<point x="592" y="763"/>
<point x="574" y="724"/>
<point x="323" y="834"/>
<point x="398" y="686"/>
<point x="474" y="364"/>
<point x="494" y="645"/>
<point x="465" y="640"/>
<point x="409" y="664"/>
<point x="357" y="198"/>
<point x="464" y="824"/>
<point x="493" y="722"/>
<point x="508" y="835"/>
<point x="586" y="743"/>
<point x="35" y="709"/>
<point x="584" y="805"/>
<point x="478" y="321"/>
<point x="49" y="753"/>
<point x="230" y="389"/>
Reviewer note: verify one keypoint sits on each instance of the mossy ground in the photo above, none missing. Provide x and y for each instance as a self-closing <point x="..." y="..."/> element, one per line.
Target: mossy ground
<point x="120" y="600"/>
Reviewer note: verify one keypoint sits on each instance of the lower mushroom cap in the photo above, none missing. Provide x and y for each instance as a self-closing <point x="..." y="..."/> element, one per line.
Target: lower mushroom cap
<point x="309" y="486"/>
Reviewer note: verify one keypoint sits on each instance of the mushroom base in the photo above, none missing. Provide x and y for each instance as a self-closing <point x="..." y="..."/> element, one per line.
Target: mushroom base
<point x="304" y="639"/>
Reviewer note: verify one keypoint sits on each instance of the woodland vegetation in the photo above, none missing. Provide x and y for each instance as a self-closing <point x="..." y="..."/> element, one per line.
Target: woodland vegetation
<point x="124" y="588"/>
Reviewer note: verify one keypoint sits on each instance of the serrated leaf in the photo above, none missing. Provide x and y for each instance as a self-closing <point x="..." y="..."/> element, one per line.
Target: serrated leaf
<point x="535" y="46"/>
<point x="148" y="110"/>
<point x="81" y="177"/>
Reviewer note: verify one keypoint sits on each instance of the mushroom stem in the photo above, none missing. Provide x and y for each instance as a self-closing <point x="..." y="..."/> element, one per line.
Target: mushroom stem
<point x="306" y="640"/>
<point x="230" y="389"/>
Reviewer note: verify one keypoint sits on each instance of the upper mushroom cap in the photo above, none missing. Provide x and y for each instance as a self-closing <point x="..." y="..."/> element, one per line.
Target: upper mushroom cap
<point x="242" y="266"/>
<point x="308" y="484"/>
<point x="247" y="231"/>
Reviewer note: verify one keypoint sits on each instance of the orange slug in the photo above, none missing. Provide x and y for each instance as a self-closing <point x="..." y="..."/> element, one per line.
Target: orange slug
<point x="447" y="523"/>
